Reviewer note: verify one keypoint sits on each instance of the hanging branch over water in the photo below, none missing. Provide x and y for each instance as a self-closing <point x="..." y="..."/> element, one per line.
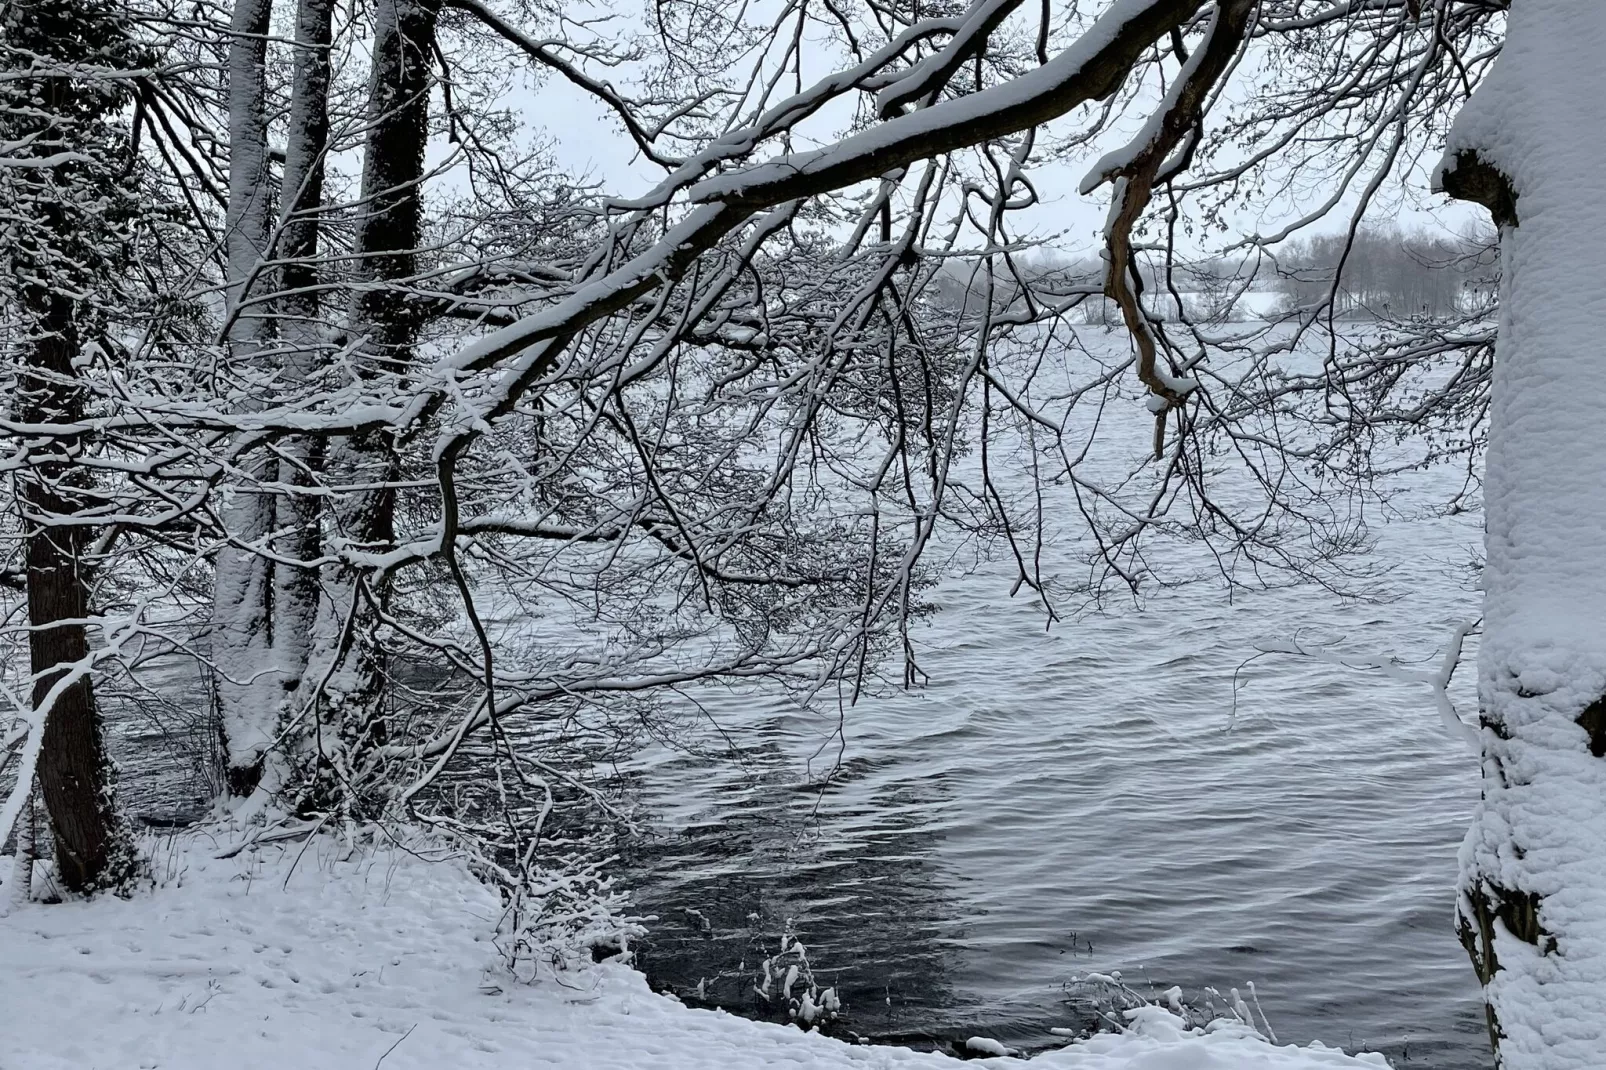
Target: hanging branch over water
<point x="713" y="429"/>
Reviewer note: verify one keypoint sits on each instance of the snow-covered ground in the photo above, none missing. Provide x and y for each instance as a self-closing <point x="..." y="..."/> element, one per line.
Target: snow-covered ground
<point x="297" y="958"/>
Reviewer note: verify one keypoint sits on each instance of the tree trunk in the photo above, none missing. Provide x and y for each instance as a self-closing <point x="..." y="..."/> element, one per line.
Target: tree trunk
<point x="384" y="319"/>
<point x="306" y="343"/>
<point x="92" y="846"/>
<point x="1532" y="905"/>
<point x="250" y="685"/>
<point x="19" y="887"/>
<point x="384" y="327"/>
<point x="61" y="264"/>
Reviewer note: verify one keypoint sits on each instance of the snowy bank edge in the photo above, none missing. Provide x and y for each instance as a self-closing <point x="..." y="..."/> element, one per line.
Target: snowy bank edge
<point x="326" y="909"/>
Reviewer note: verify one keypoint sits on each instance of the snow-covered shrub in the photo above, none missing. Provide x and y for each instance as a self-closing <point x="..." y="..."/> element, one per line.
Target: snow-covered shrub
<point x="787" y="980"/>
<point x="562" y="914"/>
<point x="534" y="811"/>
<point x="561" y="911"/>
<point x="1106" y="1003"/>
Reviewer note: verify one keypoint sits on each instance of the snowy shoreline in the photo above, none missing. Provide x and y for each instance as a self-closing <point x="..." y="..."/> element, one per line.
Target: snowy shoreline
<point x="296" y="957"/>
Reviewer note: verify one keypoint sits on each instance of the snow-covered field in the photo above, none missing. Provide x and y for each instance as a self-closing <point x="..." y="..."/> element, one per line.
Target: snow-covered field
<point x="300" y="958"/>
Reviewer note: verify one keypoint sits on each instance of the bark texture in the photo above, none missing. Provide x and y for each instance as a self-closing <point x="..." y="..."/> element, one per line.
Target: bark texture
<point x="74" y="773"/>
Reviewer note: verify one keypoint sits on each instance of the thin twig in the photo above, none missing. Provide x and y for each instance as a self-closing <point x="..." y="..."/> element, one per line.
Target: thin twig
<point x="396" y="1045"/>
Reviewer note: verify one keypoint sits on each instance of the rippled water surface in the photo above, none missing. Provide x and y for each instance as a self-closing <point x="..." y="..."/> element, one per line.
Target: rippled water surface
<point x="1083" y="797"/>
<point x="1078" y="799"/>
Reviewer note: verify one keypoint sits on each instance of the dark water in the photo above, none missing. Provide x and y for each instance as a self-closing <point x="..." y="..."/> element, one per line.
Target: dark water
<point x="1083" y="798"/>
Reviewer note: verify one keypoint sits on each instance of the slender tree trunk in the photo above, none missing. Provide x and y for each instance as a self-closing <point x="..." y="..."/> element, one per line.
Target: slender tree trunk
<point x="19" y="888"/>
<point x="74" y="773"/>
<point x="305" y="343"/>
<point x="1533" y="885"/>
<point x="384" y="325"/>
<point x="250" y="683"/>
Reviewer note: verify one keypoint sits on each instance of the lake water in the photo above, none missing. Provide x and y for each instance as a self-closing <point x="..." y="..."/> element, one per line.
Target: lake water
<point x="1082" y="797"/>
<point x="1058" y="800"/>
<point x="1054" y="802"/>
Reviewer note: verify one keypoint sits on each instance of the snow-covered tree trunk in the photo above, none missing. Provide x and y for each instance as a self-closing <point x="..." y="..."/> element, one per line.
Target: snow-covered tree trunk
<point x="1532" y="904"/>
<point x="305" y="341"/>
<point x="19" y="886"/>
<point x="383" y="330"/>
<point x="250" y="688"/>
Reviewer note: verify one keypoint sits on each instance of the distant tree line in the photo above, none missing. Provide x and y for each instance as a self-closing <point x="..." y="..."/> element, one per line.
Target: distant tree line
<point x="1391" y="273"/>
<point x="1381" y="273"/>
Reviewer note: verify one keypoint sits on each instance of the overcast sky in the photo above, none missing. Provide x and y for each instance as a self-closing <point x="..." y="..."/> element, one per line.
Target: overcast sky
<point x="589" y="141"/>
